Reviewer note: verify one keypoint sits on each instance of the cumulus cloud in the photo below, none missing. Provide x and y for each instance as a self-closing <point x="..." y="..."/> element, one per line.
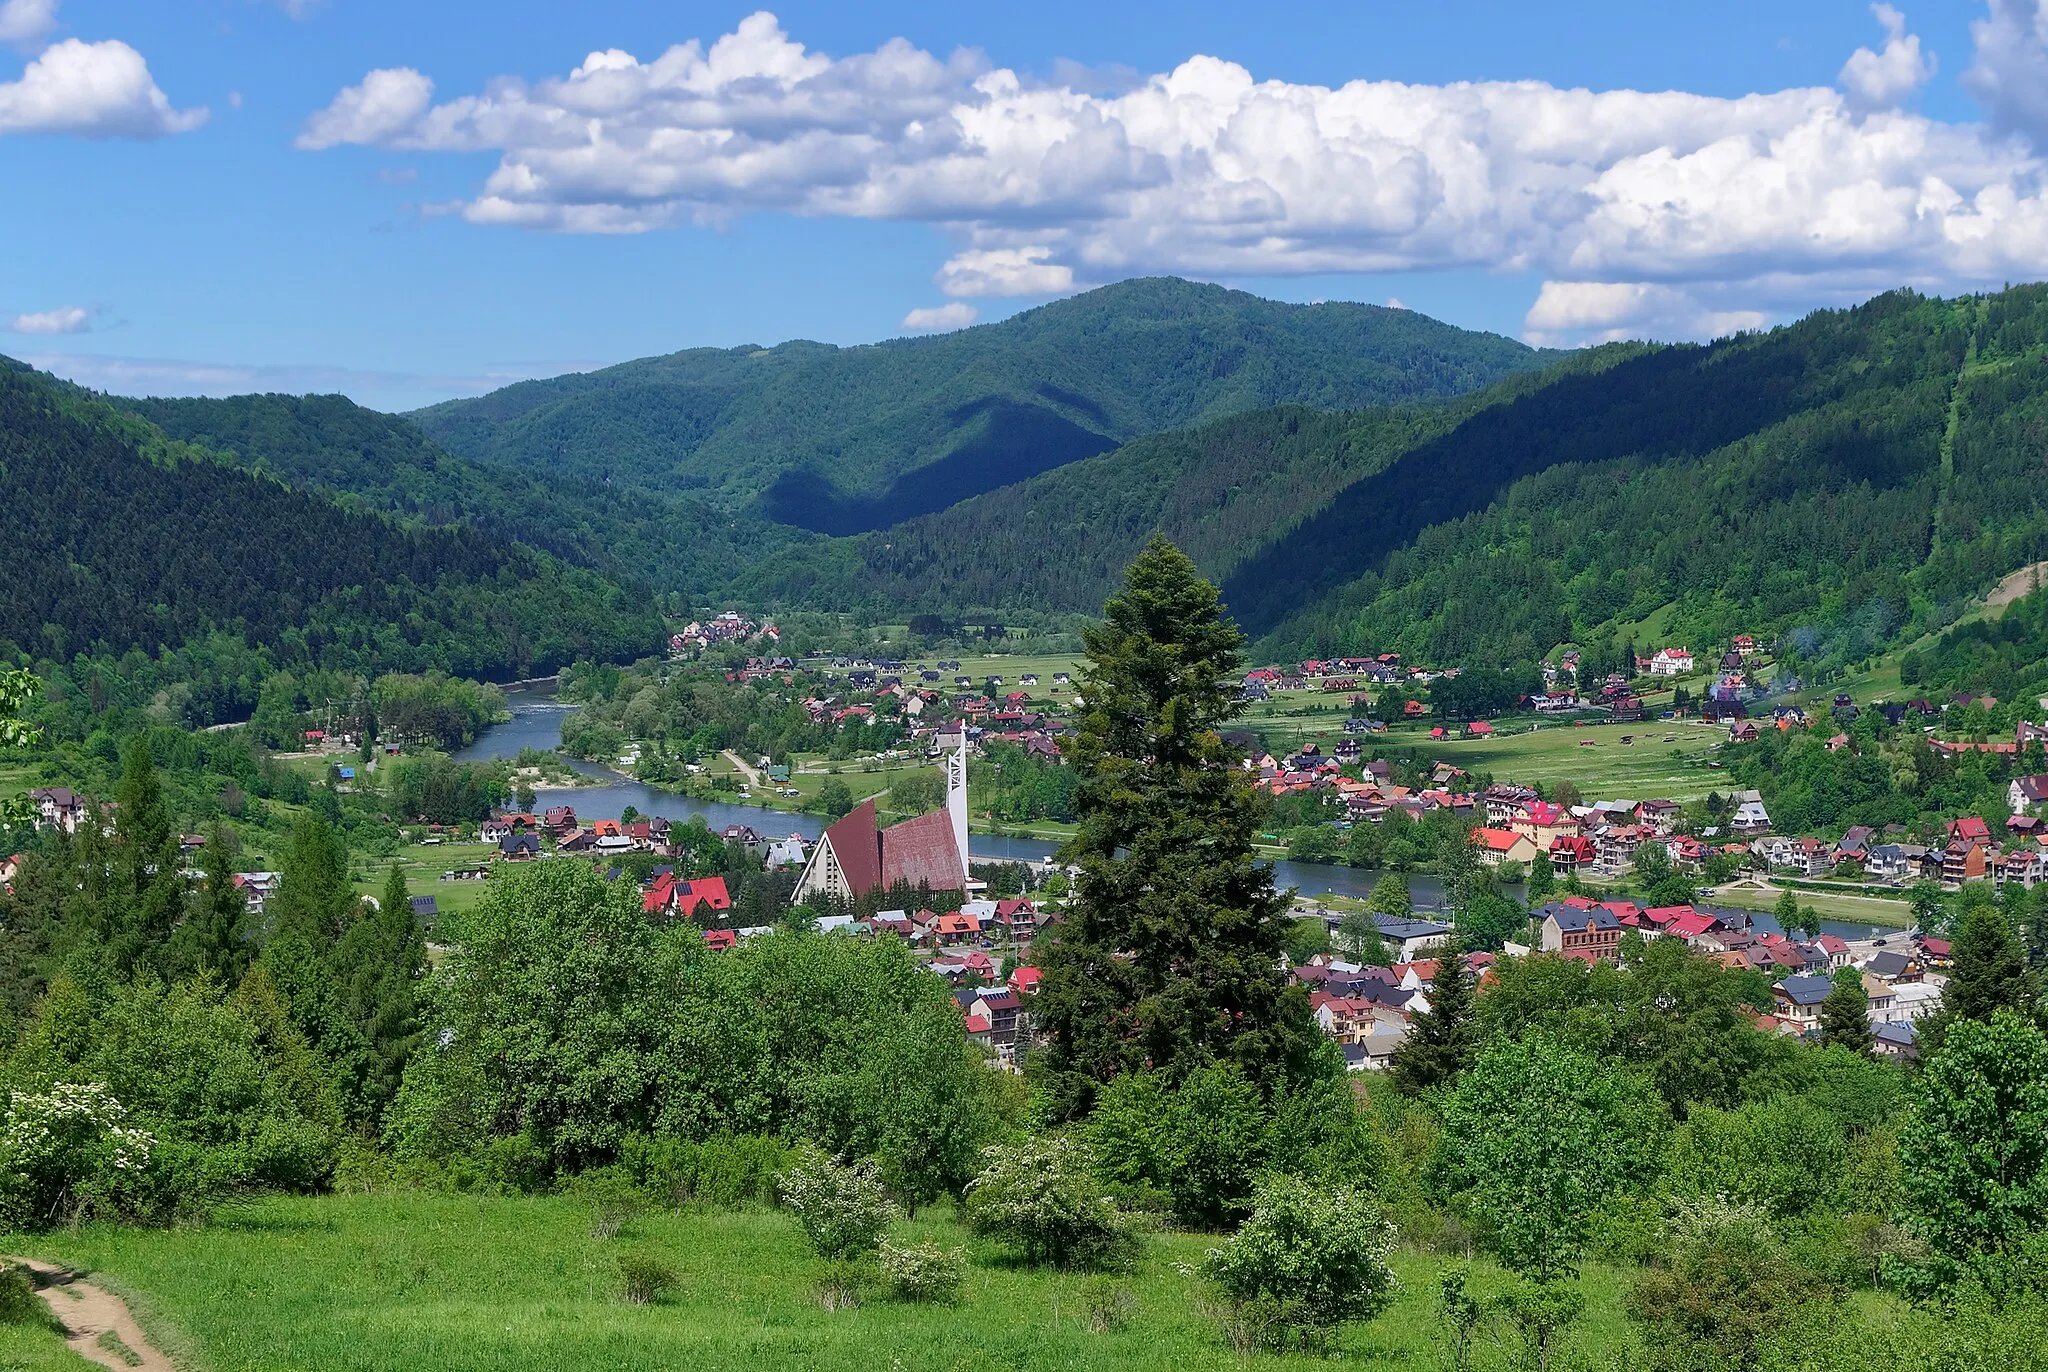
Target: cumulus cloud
<point x="65" y="319"/>
<point x="940" y="318"/>
<point x="1667" y="210"/>
<point x="387" y="103"/>
<point x="1005" y="271"/>
<point x="1881" y="79"/>
<point x="2010" y="73"/>
<point x="98" y="90"/>
<point x="26" y="22"/>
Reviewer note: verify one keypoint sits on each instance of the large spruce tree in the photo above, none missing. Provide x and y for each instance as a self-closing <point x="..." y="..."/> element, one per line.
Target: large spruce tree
<point x="1171" y="956"/>
<point x="149" y="887"/>
<point x="1845" y="1013"/>
<point x="1988" y="973"/>
<point x="1441" y="1042"/>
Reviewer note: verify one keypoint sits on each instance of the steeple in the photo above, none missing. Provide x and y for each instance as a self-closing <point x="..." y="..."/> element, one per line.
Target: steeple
<point x="956" y="800"/>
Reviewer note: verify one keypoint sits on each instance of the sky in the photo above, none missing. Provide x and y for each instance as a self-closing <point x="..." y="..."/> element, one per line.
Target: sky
<point x="408" y="201"/>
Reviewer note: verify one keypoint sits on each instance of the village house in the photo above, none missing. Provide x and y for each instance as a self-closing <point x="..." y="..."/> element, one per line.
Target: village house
<point x="1542" y="822"/>
<point x="1591" y="933"/>
<point x="1498" y="846"/>
<point x="1797" y="1000"/>
<point x="1671" y="662"/>
<point x="2025" y="793"/>
<point x="1750" y="817"/>
<point x="58" y="807"/>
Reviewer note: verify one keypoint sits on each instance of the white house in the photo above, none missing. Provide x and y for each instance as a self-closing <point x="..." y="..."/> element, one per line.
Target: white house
<point x="1671" y="662"/>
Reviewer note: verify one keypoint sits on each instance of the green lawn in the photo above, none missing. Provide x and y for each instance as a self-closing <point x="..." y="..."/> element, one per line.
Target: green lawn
<point x="424" y="863"/>
<point x="400" y="1282"/>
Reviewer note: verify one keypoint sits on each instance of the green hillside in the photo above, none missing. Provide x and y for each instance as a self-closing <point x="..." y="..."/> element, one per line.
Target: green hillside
<point x="840" y="440"/>
<point x="1854" y="476"/>
<point x="122" y="539"/>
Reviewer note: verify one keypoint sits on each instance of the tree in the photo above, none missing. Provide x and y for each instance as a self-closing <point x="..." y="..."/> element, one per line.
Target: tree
<point x="834" y="798"/>
<point x="1988" y="972"/>
<point x="1535" y="1138"/>
<point x="1541" y="880"/>
<point x="1845" y="1013"/>
<point x="1930" y="906"/>
<point x="1171" y="953"/>
<point x="1441" y="1042"/>
<point x="1974" y="1151"/>
<point x="1360" y="932"/>
<point x="525" y="797"/>
<point x="16" y="686"/>
<point x="1390" y="895"/>
<point x="1786" y="910"/>
<point x="149" y="889"/>
<point x="212" y="940"/>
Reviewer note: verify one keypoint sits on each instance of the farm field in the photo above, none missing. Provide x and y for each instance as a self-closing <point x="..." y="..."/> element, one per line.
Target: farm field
<point x="397" y="1282"/>
<point x="423" y="864"/>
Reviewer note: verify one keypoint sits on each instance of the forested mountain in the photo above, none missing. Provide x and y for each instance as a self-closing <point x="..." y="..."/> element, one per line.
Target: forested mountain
<point x="845" y="439"/>
<point x="1852" y="474"/>
<point x="121" y="539"/>
<point x="330" y="443"/>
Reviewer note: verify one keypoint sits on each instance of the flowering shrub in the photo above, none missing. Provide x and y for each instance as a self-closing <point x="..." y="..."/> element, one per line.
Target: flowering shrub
<point x="1308" y="1259"/>
<point x="1043" y="1196"/>
<point x="66" y="1152"/>
<point x="923" y="1271"/>
<point x="843" y="1209"/>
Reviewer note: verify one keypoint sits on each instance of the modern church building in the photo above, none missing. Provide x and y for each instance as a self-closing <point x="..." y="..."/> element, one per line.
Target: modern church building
<point x="855" y="856"/>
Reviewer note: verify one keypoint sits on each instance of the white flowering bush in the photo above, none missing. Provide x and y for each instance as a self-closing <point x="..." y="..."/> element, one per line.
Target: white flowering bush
<point x="842" y="1208"/>
<point x="67" y="1151"/>
<point x="1308" y="1259"/>
<point x="923" y="1271"/>
<point x="1043" y="1197"/>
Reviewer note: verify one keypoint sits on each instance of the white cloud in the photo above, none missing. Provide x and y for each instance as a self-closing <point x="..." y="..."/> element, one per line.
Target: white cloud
<point x="1879" y="80"/>
<point x="66" y="319"/>
<point x="386" y="104"/>
<point x="98" y="90"/>
<point x="26" y="22"/>
<point x="1568" y="312"/>
<point x="2010" y="74"/>
<point x="1702" y="209"/>
<point x="1005" y="271"/>
<point x="945" y="318"/>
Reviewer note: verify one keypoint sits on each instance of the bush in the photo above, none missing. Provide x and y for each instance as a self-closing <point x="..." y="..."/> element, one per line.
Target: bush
<point x="1042" y="1196"/>
<point x="843" y="1209"/>
<point x="644" y="1278"/>
<point x="923" y="1272"/>
<point x="721" y="1173"/>
<point x="1729" y="1291"/>
<point x="1307" y="1260"/>
<point x="65" y="1153"/>
<point x="614" y="1200"/>
<point x="19" y="1303"/>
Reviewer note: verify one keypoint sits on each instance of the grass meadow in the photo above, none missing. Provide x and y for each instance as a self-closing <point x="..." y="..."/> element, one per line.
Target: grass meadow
<point x="438" y="1283"/>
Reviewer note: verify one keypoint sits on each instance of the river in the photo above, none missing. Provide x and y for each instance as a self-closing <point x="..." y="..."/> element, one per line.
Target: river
<point x="537" y="723"/>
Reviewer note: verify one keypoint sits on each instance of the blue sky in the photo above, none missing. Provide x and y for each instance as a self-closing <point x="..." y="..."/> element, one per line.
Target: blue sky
<point x="406" y="201"/>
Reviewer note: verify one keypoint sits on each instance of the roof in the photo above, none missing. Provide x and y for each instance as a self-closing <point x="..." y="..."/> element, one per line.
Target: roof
<point x="1498" y="840"/>
<point x="1407" y="927"/>
<point x="1805" y="990"/>
<point x="1571" y="919"/>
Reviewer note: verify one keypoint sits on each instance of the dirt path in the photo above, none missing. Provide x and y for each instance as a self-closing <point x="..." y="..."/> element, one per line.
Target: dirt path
<point x="752" y="775"/>
<point x="2016" y="584"/>
<point x="97" y="1323"/>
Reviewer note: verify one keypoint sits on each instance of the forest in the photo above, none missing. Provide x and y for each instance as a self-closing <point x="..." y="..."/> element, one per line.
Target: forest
<point x="129" y="543"/>
<point x="843" y="439"/>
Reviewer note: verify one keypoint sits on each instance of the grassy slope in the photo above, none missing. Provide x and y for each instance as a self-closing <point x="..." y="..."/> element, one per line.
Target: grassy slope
<point x="402" y="1282"/>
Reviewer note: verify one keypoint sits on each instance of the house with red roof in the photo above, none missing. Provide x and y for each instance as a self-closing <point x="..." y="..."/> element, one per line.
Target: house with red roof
<point x="1497" y="846"/>
<point x="1572" y="853"/>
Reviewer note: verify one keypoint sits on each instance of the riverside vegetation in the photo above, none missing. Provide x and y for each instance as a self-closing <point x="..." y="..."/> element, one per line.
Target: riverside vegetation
<point x="583" y="1139"/>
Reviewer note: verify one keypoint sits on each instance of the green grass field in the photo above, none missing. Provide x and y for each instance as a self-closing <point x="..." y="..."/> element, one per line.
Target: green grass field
<point x="393" y="1283"/>
<point x="424" y="863"/>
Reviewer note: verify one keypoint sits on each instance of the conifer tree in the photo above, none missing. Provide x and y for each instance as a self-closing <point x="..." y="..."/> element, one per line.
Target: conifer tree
<point x="212" y="941"/>
<point x="1988" y="972"/>
<point x="1845" y="1014"/>
<point x="1439" y="1043"/>
<point x="1171" y="954"/>
<point x="148" y="887"/>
